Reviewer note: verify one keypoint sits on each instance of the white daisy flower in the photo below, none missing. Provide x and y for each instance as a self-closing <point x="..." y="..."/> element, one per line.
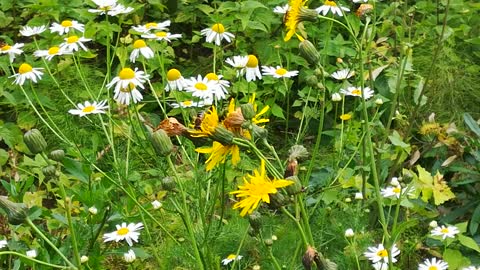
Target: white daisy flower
<point x="216" y="34"/>
<point x="89" y="108"/>
<point x="152" y="26"/>
<point x="3" y="243"/>
<point x="124" y="232"/>
<point x="281" y="9"/>
<point x="380" y="265"/>
<point x="129" y="256"/>
<point x="471" y="268"/>
<point x="331" y="6"/>
<point x="342" y="74"/>
<point x="72" y="43"/>
<point x="124" y="95"/>
<point x="65" y="26"/>
<point x="349" y="233"/>
<point x="433" y="264"/>
<point x="28" y="31"/>
<point x="239" y="63"/>
<point x="336" y="97"/>
<point x="162" y="36"/>
<point x="27" y="72"/>
<point x="140" y="47"/>
<point x="12" y="50"/>
<point x="252" y="70"/>
<point x="126" y="77"/>
<point x="93" y="210"/>
<point x="222" y="84"/>
<point x="379" y="253"/>
<point x="175" y="80"/>
<point x="190" y="103"/>
<point x="110" y="7"/>
<point x="278" y="72"/>
<point x="156" y="204"/>
<point x="51" y="52"/>
<point x="357" y="92"/>
<point x="391" y="191"/>
<point x="359" y="1"/>
<point x="32" y="253"/>
<point x="445" y="231"/>
<point x="203" y="88"/>
<point x="230" y="258"/>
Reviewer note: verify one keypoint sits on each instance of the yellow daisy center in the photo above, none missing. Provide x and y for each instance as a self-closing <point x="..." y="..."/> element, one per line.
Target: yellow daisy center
<point x="187" y="103"/>
<point x="330" y="3"/>
<point x="382" y="253"/>
<point x="212" y="76"/>
<point x="126" y="74"/>
<point x="281" y="71"/>
<point x="173" y="74"/>
<point x="66" y="23"/>
<point x="161" y="34"/>
<point x="72" y="39"/>
<point x="397" y="190"/>
<point x="444" y="230"/>
<point x="252" y="61"/>
<point x="201" y="86"/>
<point x="357" y="92"/>
<point x="53" y="50"/>
<point x="151" y="25"/>
<point x="24" y="68"/>
<point x="433" y="267"/>
<point x="6" y="47"/>
<point x="218" y="27"/>
<point x="123" y="231"/>
<point x="139" y="44"/>
<point x="90" y="109"/>
<point x="106" y="8"/>
<point x="231" y="257"/>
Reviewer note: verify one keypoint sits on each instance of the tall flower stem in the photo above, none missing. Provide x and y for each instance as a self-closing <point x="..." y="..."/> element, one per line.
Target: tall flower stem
<point x="240" y="245"/>
<point x="34" y="260"/>
<point x="45" y="238"/>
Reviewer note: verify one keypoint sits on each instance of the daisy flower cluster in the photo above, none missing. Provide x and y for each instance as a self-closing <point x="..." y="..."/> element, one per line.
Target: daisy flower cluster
<point x="130" y="233"/>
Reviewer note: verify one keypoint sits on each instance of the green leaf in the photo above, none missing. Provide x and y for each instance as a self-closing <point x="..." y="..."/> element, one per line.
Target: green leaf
<point x="398" y="141"/>
<point x="468" y="242"/>
<point x="3" y="157"/>
<point x="205" y="8"/>
<point x="402" y="227"/>
<point x="419" y="100"/>
<point x="471" y="123"/>
<point x="277" y="111"/>
<point x="474" y="221"/>
<point x="76" y="169"/>
<point x="455" y="259"/>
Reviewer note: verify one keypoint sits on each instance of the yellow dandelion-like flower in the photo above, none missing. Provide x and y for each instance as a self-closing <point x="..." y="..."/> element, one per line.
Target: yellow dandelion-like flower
<point x="292" y="17"/>
<point x="257" y="118"/>
<point x="209" y="124"/>
<point x="257" y="189"/>
<point x="346" y="117"/>
<point x="219" y="153"/>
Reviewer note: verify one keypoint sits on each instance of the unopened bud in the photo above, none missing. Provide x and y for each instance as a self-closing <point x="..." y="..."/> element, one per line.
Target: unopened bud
<point x="259" y="132"/>
<point x="168" y="183"/>
<point x="248" y="111"/>
<point x="309" y="52"/>
<point x="339" y="60"/>
<point x="35" y="141"/>
<point x="349" y="233"/>
<point x="49" y="171"/>
<point x="83" y="259"/>
<point x="57" y="155"/>
<point x="161" y="142"/>
<point x="311" y="80"/>
<point x="268" y="242"/>
<point x="307" y="14"/>
<point x="336" y="97"/>
<point x="379" y="101"/>
<point x="222" y="135"/>
<point x="433" y="224"/>
<point x="16" y="212"/>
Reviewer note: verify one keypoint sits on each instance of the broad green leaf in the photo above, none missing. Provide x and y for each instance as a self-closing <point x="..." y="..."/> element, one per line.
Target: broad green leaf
<point x="474" y="221"/>
<point x="455" y="259"/>
<point x="424" y="183"/>
<point x="471" y="123"/>
<point x="76" y="169"/>
<point x="3" y="157"/>
<point x="441" y="191"/>
<point x="468" y="242"/>
<point x="398" y="141"/>
<point x="277" y="111"/>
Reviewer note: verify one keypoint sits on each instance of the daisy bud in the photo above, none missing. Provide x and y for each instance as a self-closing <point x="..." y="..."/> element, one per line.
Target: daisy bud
<point x="274" y="238"/>
<point x="16" y="212"/>
<point x="433" y="224"/>
<point x="129" y="256"/>
<point x="31" y="253"/>
<point x="57" y="155"/>
<point x="35" y="141"/>
<point x="358" y="196"/>
<point x="248" y="111"/>
<point x="348" y="200"/>
<point x="339" y="60"/>
<point x="309" y="52"/>
<point x="256" y="267"/>
<point x="379" y="101"/>
<point x="93" y="210"/>
<point x="349" y="233"/>
<point x="168" y="183"/>
<point x="49" y="171"/>
<point x="83" y="259"/>
<point x="394" y="181"/>
<point x="156" y="204"/>
<point x="268" y="242"/>
<point x="161" y="142"/>
<point x="336" y="97"/>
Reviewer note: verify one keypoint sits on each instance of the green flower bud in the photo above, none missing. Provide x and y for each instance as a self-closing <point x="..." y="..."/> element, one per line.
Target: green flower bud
<point x="49" y="171"/>
<point x="168" y="183"/>
<point x="307" y="14"/>
<point x="35" y="141"/>
<point x="161" y="142"/>
<point x="259" y="132"/>
<point x="309" y="52"/>
<point x="223" y="135"/>
<point x="296" y="187"/>
<point x="57" y="155"/>
<point x="16" y="212"/>
<point x="248" y="111"/>
<point x="311" y="80"/>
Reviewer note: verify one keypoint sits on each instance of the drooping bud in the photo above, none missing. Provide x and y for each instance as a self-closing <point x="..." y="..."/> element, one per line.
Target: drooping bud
<point x="57" y="155"/>
<point x="268" y="242"/>
<point x="35" y="141"/>
<point x="309" y="52"/>
<point x="161" y="142"/>
<point x="16" y="212"/>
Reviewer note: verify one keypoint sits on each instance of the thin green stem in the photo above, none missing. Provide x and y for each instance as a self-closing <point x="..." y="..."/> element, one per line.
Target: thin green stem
<point x="34" y="260"/>
<point x="240" y="246"/>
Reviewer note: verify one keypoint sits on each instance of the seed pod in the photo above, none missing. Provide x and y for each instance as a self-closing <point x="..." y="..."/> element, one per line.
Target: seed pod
<point x="35" y="141"/>
<point x="16" y="212"/>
